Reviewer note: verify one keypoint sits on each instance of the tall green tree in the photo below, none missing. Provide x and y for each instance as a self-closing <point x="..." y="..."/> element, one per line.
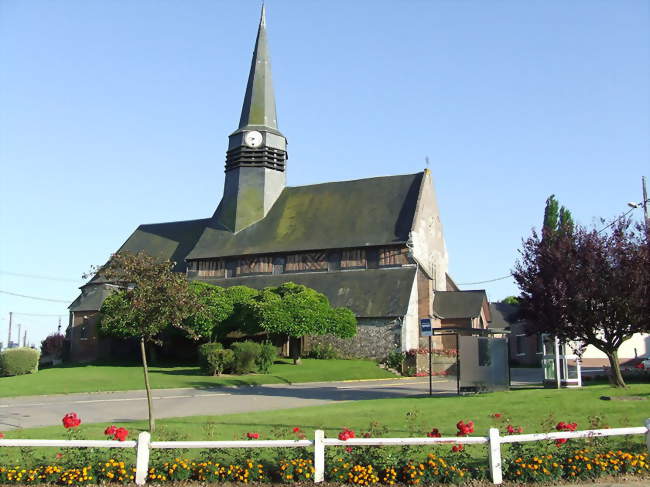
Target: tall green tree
<point x="295" y="310"/>
<point x="151" y="297"/>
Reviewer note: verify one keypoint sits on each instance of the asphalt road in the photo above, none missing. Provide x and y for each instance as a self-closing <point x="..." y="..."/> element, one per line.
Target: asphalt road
<point x="118" y="407"/>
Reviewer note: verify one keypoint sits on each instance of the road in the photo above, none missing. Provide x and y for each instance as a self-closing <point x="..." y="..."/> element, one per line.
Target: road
<point x="119" y="407"/>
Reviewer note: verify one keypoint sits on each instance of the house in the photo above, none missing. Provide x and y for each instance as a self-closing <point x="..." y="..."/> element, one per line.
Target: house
<point x="373" y="245"/>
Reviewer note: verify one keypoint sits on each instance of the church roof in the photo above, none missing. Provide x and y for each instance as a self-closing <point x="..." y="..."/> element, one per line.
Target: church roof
<point x="367" y="293"/>
<point x="458" y="304"/>
<point x="358" y="213"/>
<point x="91" y="298"/>
<point x="172" y="240"/>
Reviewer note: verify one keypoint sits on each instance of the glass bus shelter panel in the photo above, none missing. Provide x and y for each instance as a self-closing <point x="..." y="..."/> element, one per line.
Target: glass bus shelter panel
<point x="483" y="364"/>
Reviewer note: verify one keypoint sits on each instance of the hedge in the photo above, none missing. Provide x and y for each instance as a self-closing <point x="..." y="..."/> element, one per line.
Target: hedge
<point x="19" y="361"/>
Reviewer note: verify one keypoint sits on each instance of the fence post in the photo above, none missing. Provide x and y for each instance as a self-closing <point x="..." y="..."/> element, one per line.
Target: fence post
<point x="319" y="456"/>
<point x="142" y="458"/>
<point x="647" y="435"/>
<point x="494" y="447"/>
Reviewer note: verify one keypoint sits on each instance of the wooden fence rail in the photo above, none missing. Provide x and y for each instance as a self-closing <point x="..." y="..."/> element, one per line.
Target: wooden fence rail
<point x="494" y="440"/>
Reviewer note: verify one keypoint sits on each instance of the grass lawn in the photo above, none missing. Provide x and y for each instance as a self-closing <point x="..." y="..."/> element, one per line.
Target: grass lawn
<point x="97" y="378"/>
<point x="406" y="417"/>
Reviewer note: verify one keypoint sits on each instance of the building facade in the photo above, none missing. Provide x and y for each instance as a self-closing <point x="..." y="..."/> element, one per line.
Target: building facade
<point x="374" y="245"/>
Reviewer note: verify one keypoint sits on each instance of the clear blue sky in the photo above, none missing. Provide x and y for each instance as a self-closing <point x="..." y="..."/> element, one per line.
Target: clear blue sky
<point x="116" y="113"/>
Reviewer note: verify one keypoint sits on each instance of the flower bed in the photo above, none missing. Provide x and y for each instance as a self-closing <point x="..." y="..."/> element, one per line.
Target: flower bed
<point x="545" y="461"/>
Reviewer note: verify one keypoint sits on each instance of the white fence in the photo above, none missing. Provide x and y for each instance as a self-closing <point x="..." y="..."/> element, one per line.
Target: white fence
<point x="494" y="441"/>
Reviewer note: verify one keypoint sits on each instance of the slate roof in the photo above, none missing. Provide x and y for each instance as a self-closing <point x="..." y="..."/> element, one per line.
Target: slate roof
<point x="91" y="298"/>
<point x="458" y="304"/>
<point x="503" y="315"/>
<point x="368" y="293"/>
<point x="363" y="212"/>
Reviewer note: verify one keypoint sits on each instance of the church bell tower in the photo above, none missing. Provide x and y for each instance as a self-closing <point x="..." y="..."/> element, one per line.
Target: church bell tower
<point x="257" y="150"/>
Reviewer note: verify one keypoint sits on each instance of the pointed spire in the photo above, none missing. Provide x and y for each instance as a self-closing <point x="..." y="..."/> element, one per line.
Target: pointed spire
<point x="259" y="101"/>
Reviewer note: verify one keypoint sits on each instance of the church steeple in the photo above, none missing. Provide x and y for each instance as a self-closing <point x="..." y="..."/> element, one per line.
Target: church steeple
<point x="259" y="102"/>
<point x="257" y="150"/>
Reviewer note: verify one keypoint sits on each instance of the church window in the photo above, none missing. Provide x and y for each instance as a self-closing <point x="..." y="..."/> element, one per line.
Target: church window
<point x="211" y="268"/>
<point x="278" y="264"/>
<point x="306" y="262"/>
<point x="393" y="256"/>
<point x="257" y="264"/>
<point x="353" y="259"/>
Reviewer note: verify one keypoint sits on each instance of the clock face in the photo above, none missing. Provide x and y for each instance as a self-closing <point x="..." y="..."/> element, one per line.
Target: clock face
<point x="253" y="139"/>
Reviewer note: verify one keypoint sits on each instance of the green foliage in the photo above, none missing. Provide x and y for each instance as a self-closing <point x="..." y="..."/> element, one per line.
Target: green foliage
<point x="513" y="300"/>
<point x="323" y="351"/>
<point x="296" y="310"/>
<point x="222" y="310"/>
<point x="266" y="358"/>
<point x="214" y="359"/>
<point x="395" y="360"/>
<point x="246" y="356"/>
<point x="19" y="361"/>
<point x="152" y="297"/>
<point x="550" y="215"/>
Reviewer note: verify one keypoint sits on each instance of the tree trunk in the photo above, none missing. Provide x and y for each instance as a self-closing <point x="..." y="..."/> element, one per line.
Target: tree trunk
<point x="294" y="350"/>
<point x="615" y="376"/>
<point x="147" y="386"/>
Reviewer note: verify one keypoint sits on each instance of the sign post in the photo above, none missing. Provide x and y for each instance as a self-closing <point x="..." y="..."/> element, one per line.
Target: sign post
<point x="427" y="331"/>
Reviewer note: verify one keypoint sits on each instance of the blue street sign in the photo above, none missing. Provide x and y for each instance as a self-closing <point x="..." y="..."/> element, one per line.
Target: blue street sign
<point x="425" y="327"/>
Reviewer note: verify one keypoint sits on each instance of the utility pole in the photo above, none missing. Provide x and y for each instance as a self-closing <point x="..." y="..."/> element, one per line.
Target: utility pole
<point x="645" y="203"/>
<point x="58" y="328"/>
<point x="9" y="337"/>
<point x="25" y="338"/>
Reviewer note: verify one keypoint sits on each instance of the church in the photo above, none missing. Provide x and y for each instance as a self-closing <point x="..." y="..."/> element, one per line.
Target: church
<point x="374" y="245"/>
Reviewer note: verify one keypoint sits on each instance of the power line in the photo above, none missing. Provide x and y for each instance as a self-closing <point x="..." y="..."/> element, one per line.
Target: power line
<point x="617" y="220"/>
<point x="483" y="282"/>
<point x="35" y="297"/>
<point x="36" y="276"/>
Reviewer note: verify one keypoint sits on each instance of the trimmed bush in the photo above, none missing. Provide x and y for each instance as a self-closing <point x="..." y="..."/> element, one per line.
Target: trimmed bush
<point x="53" y="345"/>
<point x="214" y="359"/>
<point x="19" y="361"/>
<point x="323" y="351"/>
<point x="246" y="356"/>
<point x="265" y="359"/>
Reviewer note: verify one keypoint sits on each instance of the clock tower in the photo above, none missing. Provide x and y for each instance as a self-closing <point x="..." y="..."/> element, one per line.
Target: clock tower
<point x="257" y="150"/>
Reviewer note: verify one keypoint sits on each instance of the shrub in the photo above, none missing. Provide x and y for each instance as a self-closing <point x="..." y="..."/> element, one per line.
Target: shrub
<point x="19" y="361"/>
<point x="323" y="351"/>
<point x="214" y="359"/>
<point x="395" y="360"/>
<point x="246" y="355"/>
<point x="265" y="359"/>
<point x="53" y="345"/>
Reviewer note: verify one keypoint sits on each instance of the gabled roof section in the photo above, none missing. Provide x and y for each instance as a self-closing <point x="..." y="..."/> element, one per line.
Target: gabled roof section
<point x="503" y="315"/>
<point x="91" y="297"/>
<point x="368" y="293"/>
<point x="363" y="212"/>
<point x="458" y="304"/>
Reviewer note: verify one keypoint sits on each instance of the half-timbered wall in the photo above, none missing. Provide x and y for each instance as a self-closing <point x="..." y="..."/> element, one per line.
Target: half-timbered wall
<point x="317" y="261"/>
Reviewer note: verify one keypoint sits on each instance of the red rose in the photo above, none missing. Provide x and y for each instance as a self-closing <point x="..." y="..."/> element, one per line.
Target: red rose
<point x="496" y="415"/>
<point x="110" y="431"/>
<point x="59" y="455"/>
<point x="457" y="448"/>
<point x="1" y="435"/>
<point x="348" y="449"/>
<point x="346" y="434"/>
<point x="296" y="430"/>
<point x="121" y="434"/>
<point x="252" y="436"/>
<point x="560" y="441"/>
<point x="71" y="420"/>
<point x="434" y="433"/>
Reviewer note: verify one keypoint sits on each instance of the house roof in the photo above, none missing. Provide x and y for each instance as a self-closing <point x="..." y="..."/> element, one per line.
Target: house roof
<point x="363" y="212"/>
<point x="91" y="298"/>
<point x="458" y="304"/>
<point x="368" y="293"/>
<point x="503" y="315"/>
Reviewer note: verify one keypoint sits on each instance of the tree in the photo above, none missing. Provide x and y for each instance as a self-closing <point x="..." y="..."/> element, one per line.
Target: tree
<point x="53" y="345"/>
<point x="151" y="298"/>
<point x="588" y="287"/>
<point x="295" y="310"/>
<point x="220" y="311"/>
<point x="512" y="300"/>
